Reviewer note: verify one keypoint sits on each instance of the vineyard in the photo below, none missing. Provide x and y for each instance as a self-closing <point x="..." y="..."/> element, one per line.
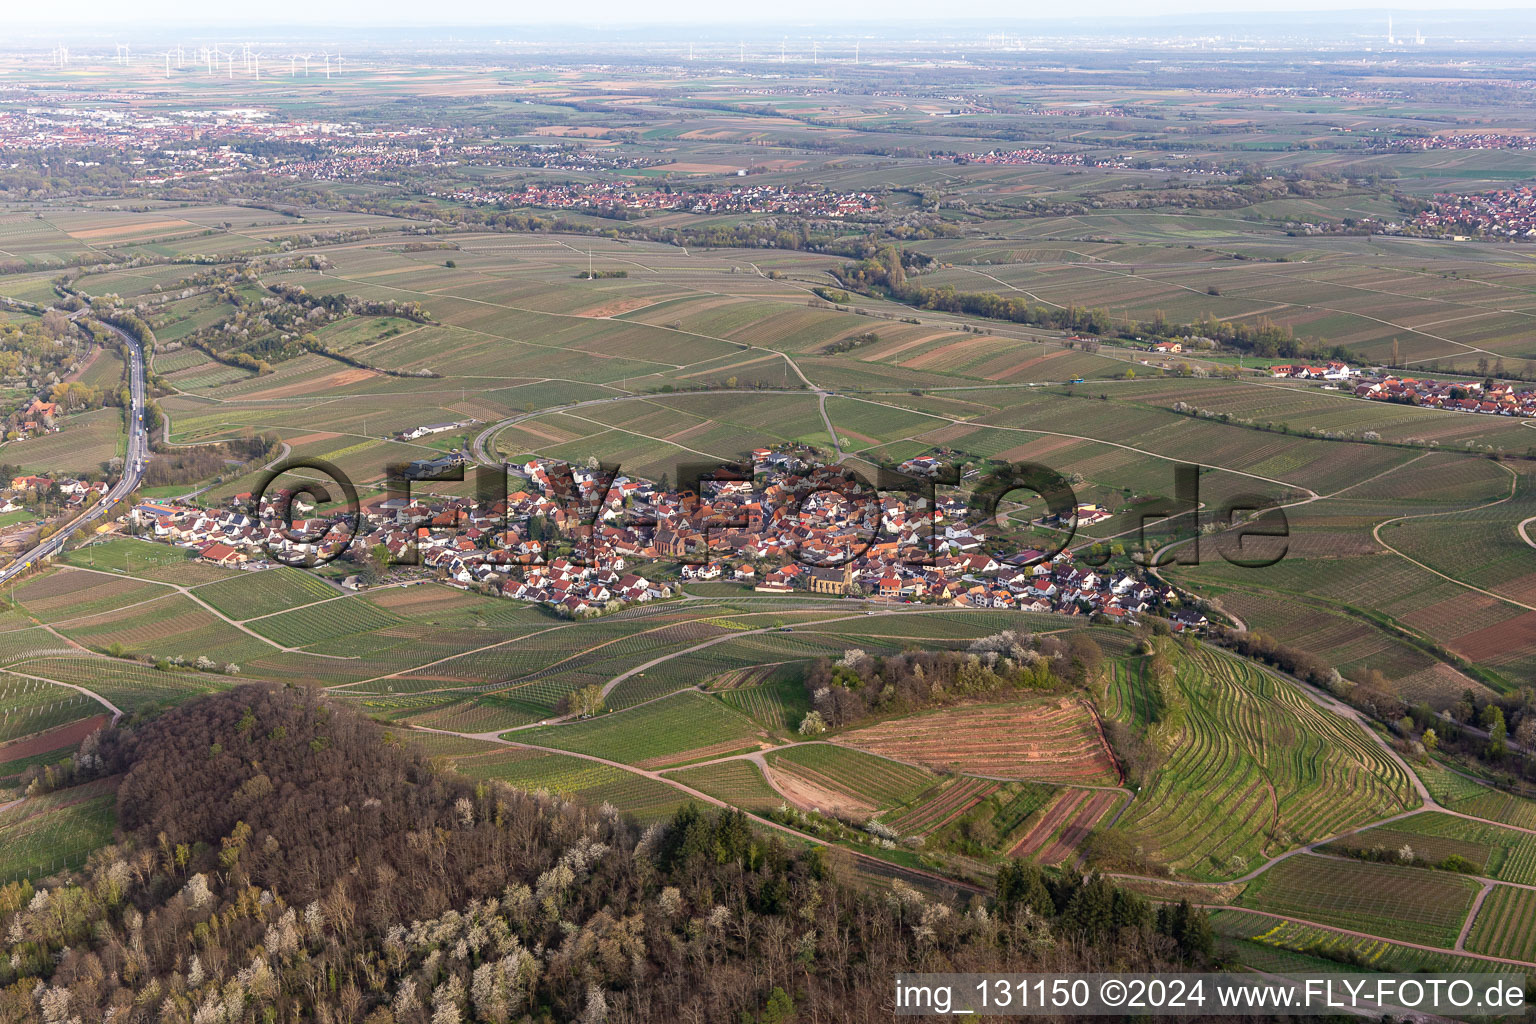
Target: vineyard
<point x="1395" y="903"/>
<point x="1060" y="829"/>
<point x="1055" y="740"/>
<point x="738" y="782"/>
<point x="1506" y="924"/>
<point x="254" y="594"/>
<point x="29" y="706"/>
<point x="1493" y="851"/>
<point x="50" y="833"/>
<point x="780" y="705"/>
<point x="578" y="779"/>
<point x="301" y="627"/>
<point x="70" y="594"/>
<point x="1338" y="951"/>
<point x="1251" y="767"/>
<point x="128" y="684"/>
<point x="941" y="806"/>
<point x="838" y="779"/>
<point x="1457" y="792"/>
<point x="672" y="731"/>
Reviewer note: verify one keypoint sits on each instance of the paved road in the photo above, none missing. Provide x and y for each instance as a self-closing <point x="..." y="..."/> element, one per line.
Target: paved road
<point x="133" y="467"/>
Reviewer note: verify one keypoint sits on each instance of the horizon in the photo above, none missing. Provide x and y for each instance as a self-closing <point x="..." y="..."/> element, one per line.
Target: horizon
<point x="798" y="15"/>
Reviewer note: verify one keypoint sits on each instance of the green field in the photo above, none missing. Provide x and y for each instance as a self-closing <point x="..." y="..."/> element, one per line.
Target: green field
<point x="873" y="781"/>
<point x="738" y="782"/>
<point x="47" y="834"/>
<point x="1253" y="767"/>
<point x="671" y="731"/>
<point x="578" y="779"/>
<point x="1381" y="900"/>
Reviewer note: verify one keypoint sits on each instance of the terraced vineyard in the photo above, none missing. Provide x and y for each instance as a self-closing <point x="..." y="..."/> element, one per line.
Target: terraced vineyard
<point x="1051" y="740"/>
<point x="1393" y="902"/>
<point x="1252" y="767"/>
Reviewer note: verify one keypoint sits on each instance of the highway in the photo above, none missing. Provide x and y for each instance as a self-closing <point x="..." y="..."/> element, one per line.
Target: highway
<point x="133" y="467"/>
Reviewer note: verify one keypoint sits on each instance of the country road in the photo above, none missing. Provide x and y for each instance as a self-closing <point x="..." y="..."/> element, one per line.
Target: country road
<point x="133" y="467"/>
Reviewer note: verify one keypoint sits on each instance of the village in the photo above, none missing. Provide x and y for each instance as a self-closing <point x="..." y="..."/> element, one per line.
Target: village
<point x="1496" y="398"/>
<point x="1508" y="212"/>
<point x="617" y="195"/>
<point x="575" y="539"/>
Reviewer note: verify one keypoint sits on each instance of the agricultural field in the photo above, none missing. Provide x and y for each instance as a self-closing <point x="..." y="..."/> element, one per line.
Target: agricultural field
<point x="1042" y="741"/>
<point x="1378" y="899"/>
<point x="587" y="782"/>
<point x="665" y="733"/>
<point x="1252" y="768"/>
<point x="43" y="835"/>
<point x="1506" y="924"/>
<point x="843" y="781"/>
<point x="1491" y="850"/>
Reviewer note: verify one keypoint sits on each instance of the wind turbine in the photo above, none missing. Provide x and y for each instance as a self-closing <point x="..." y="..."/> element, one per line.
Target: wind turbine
<point x="741" y="52"/>
<point x="122" y="54"/>
<point x="340" y="60"/>
<point x="168" y="56"/>
<point x="815" y="47"/>
<point x="256" y="66"/>
<point x="327" y="58"/>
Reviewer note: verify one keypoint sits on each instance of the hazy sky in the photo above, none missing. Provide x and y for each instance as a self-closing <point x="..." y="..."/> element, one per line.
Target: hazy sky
<point x="151" y="14"/>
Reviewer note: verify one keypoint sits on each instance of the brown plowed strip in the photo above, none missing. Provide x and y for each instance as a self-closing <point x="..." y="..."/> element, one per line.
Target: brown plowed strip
<point x="972" y="800"/>
<point x="315" y="385"/>
<point x="1054" y="816"/>
<point x="617" y="306"/>
<point x="53" y="739"/>
<point x="1078" y="828"/>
